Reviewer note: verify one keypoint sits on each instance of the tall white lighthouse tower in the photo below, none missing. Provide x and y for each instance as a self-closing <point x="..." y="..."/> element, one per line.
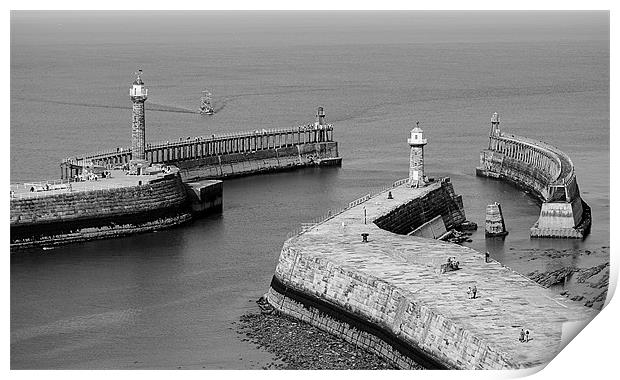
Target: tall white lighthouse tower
<point x="138" y="94"/>
<point x="416" y="158"/>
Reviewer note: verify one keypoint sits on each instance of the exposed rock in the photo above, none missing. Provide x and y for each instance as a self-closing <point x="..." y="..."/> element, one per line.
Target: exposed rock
<point x="555" y="277"/>
<point x="591" y="283"/>
<point x="585" y="274"/>
<point x="302" y="346"/>
<point x="468" y="226"/>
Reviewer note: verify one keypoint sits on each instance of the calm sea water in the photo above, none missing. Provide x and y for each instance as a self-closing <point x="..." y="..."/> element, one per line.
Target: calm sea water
<point x="168" y="299"/>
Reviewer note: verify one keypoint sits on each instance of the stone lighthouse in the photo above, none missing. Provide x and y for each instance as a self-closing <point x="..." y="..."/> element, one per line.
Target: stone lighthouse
<point x="416" y="159"/>
<point x="138" y="95"/>
<point x="320" y="116"/>
<point x="495" y="125"/>
<point x="319" y="125"/>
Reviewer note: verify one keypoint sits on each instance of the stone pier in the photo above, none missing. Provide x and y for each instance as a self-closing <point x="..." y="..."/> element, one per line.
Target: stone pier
<point x="389" y="295"/>
<point x="227" y="155"/>
<point x="546" y="173"/>
<point x="119" y="205"/>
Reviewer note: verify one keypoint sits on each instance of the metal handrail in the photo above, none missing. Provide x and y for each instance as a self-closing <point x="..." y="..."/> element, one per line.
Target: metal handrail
<point x="333" y="213"/>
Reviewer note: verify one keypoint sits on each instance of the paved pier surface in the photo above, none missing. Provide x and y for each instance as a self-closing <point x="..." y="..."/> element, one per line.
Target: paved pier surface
<point x="118" y="179"/>
<point x="505" y="303"/>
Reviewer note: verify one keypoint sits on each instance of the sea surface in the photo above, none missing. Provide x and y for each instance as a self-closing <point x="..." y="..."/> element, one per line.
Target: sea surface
<point x="169" y="299"/>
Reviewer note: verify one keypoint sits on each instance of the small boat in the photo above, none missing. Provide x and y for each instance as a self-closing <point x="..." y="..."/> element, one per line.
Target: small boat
<point x="205" y="103"/>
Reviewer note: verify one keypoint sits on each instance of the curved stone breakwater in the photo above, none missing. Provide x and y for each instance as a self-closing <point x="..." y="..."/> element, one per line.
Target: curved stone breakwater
<point x="546" y="173"/>
<point x="390" y="295"/>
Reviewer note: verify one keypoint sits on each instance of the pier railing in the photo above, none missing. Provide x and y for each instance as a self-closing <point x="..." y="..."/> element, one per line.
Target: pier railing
<point x="332" y="213"/>
<point x="191" y="148"/>
<point x="557" y="166"/>
<point x="45" y="189"/>
<point x="539" y="151"/>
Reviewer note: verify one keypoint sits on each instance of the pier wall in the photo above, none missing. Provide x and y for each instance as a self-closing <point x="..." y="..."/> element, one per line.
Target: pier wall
<point x="262" y="161"/>
<point x="229" y="155"/>
<point x="441" y="201"/>
<point x="205" y="196"/>
<point x="389" y="295"/>
<point x="544" y="172"/>
<point x="109" y="212"/>
<point x="371" y="312"/>
<point x="374" y="314"/>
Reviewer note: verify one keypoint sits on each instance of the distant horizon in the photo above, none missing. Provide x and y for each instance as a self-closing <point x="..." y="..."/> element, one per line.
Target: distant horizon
<point x="307" y="27"/>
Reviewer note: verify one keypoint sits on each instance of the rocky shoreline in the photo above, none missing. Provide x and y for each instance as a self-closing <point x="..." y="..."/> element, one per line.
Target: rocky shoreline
<point x="587" y="284"/>
<point x="300" y="346"/>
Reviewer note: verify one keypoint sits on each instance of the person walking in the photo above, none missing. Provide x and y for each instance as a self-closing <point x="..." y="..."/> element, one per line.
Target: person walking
<point x="522" y="336"/>
<point x="469" y="292"/>
<point x="486" y="257"/>
<point x="527" y="335"/>
<point x="474" y="290"/>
